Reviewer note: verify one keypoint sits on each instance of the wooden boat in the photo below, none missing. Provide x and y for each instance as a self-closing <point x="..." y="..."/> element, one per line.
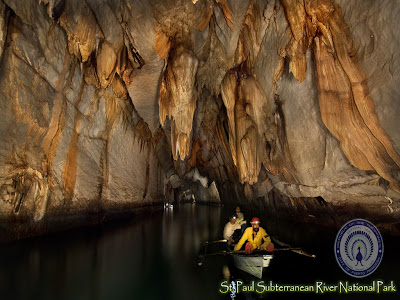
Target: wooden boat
<point x="253" y="264"/>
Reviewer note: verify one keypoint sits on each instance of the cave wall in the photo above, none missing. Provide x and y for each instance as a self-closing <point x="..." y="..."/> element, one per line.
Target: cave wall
<point x="71" y="145"/>
<point x="112" y="105"/>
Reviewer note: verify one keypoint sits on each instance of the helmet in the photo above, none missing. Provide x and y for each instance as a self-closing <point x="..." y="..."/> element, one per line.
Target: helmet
<point x="255" y="220"/>
<point x="232" y="217"/>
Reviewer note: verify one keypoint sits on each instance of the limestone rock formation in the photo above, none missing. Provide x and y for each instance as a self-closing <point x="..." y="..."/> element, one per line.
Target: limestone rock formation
<point x="113" y="105"/>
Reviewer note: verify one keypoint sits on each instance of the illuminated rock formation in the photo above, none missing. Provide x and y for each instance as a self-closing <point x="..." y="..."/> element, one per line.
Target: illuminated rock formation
<point x="108" y="106"/>
<point x="178" y="99"/>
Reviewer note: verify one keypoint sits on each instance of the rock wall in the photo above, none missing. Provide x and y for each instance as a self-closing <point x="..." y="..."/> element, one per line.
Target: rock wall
<point x="108" y="106"/>
<point x="72" y="142"/>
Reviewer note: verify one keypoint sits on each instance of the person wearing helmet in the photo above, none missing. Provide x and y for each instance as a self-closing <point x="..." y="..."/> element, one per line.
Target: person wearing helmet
<point x="232" y="230"/>
<point x="240" y="218"/>
<point x="255" y="235"/>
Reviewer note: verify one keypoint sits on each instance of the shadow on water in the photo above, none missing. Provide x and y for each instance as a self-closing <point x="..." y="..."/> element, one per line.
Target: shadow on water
<point x="155" y="257"/>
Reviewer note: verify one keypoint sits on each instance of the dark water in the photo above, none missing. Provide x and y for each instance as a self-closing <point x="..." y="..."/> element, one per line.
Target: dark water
<point x="155" y="257"/>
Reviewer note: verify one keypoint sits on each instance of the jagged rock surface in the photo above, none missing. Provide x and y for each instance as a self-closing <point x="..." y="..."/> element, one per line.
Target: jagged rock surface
<point x="114" y="105"/>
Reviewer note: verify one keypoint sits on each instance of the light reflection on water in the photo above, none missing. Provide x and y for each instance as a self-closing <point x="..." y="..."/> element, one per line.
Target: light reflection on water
<point x="186" y="227"/>
<point x="149" y="257"/>
<point x="155" y="257"/>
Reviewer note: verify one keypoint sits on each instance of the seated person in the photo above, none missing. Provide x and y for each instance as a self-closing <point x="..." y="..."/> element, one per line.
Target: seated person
<point x="240" y="218"/>
<point x="232" y="231"/>
<point x="254" y="236"/>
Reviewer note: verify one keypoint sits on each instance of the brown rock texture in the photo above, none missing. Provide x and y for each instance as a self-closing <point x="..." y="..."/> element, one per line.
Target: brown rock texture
<point x="113" y="105"/>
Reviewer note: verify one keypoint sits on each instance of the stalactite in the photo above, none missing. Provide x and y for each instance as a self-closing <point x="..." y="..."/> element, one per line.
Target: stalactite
<point x="247" y="136"/>
<point x="244" y="100"/>
<point x="119" y="88"/>
<point x="207" y="12"/>
<point x="164" y="99"/>
<point x="177" y="98"/>
<point x="163" y="43"/>
<point x="106" y="63"/>
<point x="82" y="29"/>
<point x="63" y="133"/>
<point x="303" y="31"/>
<point x="145" y="139"/>
<point x="229" y="95"/>
<point x="346" y="106"/>
<point x="249" y="38"/>
<point x="278" y="159"/>
<point x="223" y="140"/>
<point x="196" y="146"/>
<point x="214" y="62"/>
<point x="102" y="59"/>
<point x="342" y="84"/>
<point x="71" y="163"/>
<point x="143" y="132"/>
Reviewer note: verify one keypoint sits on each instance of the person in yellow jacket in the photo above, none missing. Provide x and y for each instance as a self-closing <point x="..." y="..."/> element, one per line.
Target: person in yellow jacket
<point x="255" y="235"/>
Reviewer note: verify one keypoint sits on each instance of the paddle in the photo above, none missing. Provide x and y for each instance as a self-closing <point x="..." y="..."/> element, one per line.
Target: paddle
<point x="265" y="252"/>
<point x="286" y="246"/>
<point x="298" y="251"/>
<point x="214" y="242"/>
<point x="202" y="257"/>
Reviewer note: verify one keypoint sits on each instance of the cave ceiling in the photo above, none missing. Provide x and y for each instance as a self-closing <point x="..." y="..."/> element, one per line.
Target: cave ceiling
<point x="113" y="103"/>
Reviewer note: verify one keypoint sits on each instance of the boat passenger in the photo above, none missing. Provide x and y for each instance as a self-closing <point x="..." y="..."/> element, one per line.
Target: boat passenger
<point x="254" y="236"/>
<point x="232" y="230"/>
<point x="240" y="219"/>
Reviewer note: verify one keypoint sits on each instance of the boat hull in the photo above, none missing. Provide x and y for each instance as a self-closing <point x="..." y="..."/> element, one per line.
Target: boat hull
<point x="252" y="264"/>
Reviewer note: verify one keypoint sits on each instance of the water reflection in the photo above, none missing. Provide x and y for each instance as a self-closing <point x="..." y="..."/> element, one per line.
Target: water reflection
<point x="187" y="227"/>
<point x="226" y="273"/>
<point x="151" y="257"/>
<point x="154" y="257"/>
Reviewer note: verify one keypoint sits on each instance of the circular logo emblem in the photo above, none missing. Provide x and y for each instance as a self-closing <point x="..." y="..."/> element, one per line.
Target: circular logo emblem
<point x="358" y="248"/>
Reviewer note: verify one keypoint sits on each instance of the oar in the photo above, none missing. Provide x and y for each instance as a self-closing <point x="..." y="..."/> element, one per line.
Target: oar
<point x="214" y="242"/>
<point x="298" y="251"/>
<point x="264" y="251"/>
<point x="259" y="251"/>
<point x="302" y="252"/>
<point x="202" y="257"/>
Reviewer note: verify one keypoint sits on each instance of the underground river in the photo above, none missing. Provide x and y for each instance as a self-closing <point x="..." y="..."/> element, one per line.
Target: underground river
<point x="155" y="257"/>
